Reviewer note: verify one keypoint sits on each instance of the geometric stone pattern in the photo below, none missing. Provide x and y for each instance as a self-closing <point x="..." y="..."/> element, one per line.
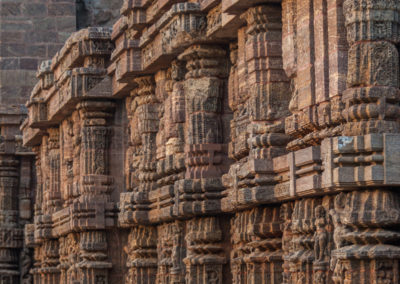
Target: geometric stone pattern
<point x="216" y="142"/>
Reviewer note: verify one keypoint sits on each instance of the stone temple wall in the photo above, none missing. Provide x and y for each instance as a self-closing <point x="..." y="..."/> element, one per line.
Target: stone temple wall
<point x="233" y="141"/>
<point x="30" y="31"/>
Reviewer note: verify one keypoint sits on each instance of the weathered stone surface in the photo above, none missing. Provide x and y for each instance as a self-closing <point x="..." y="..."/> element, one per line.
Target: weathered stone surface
<point x="206" y="141"/>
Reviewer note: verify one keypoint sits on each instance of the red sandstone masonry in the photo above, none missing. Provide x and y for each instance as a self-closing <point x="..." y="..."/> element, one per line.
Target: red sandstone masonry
<point x="220" y="142"/>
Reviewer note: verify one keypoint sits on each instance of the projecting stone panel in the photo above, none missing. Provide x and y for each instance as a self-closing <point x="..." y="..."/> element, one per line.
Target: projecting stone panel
<point x="219" y="142"/>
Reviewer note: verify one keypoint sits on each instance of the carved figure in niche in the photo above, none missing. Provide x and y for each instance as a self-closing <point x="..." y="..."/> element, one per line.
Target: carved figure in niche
<point x="321" y="234"/>
<point x="177" y="246"/>
<point x="286" y="216"/>
<point x="212" y="277"/>
<point x="338" y="228"/>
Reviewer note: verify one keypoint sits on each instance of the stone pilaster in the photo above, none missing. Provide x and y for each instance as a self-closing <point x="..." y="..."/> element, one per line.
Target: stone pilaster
<point x="260" y="107"/>
<point x="257" y="253"/>
<point x="94" y="265"/>
<point x="142" y="255"/>
<point x="373" y="67"/>
<point x="11" y="236"/>
<point x="143" y="110"/>
<point x="204" y="90"/>
<point x="205" y="254"/>
<point x="94" y="154"/>
<point x="95" y="188"/>
<point x="364" y="236"/>
<point x="206" y="120"/>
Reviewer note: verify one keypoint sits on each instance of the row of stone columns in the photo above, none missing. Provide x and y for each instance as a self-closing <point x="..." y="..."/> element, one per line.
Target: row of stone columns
<point x="258" y="142"/>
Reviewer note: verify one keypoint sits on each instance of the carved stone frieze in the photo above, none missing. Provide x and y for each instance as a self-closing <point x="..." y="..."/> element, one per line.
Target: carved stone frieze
<point x="233" y="141"/>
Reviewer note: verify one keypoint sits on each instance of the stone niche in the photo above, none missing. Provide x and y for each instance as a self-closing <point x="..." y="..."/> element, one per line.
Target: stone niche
<point x="229" y="141"/>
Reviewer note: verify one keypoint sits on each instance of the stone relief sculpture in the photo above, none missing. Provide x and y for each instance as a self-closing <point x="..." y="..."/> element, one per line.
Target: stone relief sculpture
<point x="212" y="142"/>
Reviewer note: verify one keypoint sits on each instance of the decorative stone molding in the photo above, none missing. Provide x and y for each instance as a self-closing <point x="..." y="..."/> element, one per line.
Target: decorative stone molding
<point x="215" y="142"/>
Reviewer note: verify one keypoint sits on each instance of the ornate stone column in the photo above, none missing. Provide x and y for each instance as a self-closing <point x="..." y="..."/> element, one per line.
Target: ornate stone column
<point x="142" y="255"/>
<point x="372" y="90"/>
<point x="257" y="246"/>
<point x="143" y="111"/>
<point x="286" y="228"/>
<point x="30" y="229"/>
<point x="53" y="193"/>
<point x="301" y="252"/>
<point x="11" y="236"/>
<point x="367" y="156"/>
<point x="206" y="146"/>
<point x="205" y="254"/>
<point x="206" y="161"/>
<point x="204" y="91"/>
<point x="259" y="96"/>
<point x="170" y="168"/>
<point x="95" y="188"/>
<point x="49" y="271"/>
<point x="365" y="229"/>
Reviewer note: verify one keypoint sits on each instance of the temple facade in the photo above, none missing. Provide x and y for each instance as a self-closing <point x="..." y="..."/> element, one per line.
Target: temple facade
<point x="209" y="142"/>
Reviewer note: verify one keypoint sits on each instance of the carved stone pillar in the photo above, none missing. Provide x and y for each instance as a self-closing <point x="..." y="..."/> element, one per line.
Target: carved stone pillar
<point x="25" y="216"/>
<point x="95" y="189"/>
<point x="171" y="251"/>
<point x="146" y="115"/>
<point x="286" y="228"/>
<point x="315" y="59"/>
<point x="365" y="236"/>
<point x="372" y="93"/>
<point x="69" y="251"/>
<point x="37" y="208"/>
<point x="301" y="254"/>
<point x="205" y="145"/>
<point x="53" y="192"/>
<point x="259" y="96"/>
<point x="51" y="202"/>
<point x="204" y="90"/>
<point x="64" y="265"/>
<point x="96" y="182"/>
<point x="30" y="229"/>
<point x="49" y="270"/>
<point x="170" y="168"/>
<point x="10" y="235"/>
<point x="143" y="113"/>
<point x="142" y="255"/>
<point x="94" y="263"/>
<point x="205" y="254"/>
<point x="206" y="161"/>
<point x="170" y="138"/>
<point x="35" y="271"/>
<point x="257" y="246"/>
